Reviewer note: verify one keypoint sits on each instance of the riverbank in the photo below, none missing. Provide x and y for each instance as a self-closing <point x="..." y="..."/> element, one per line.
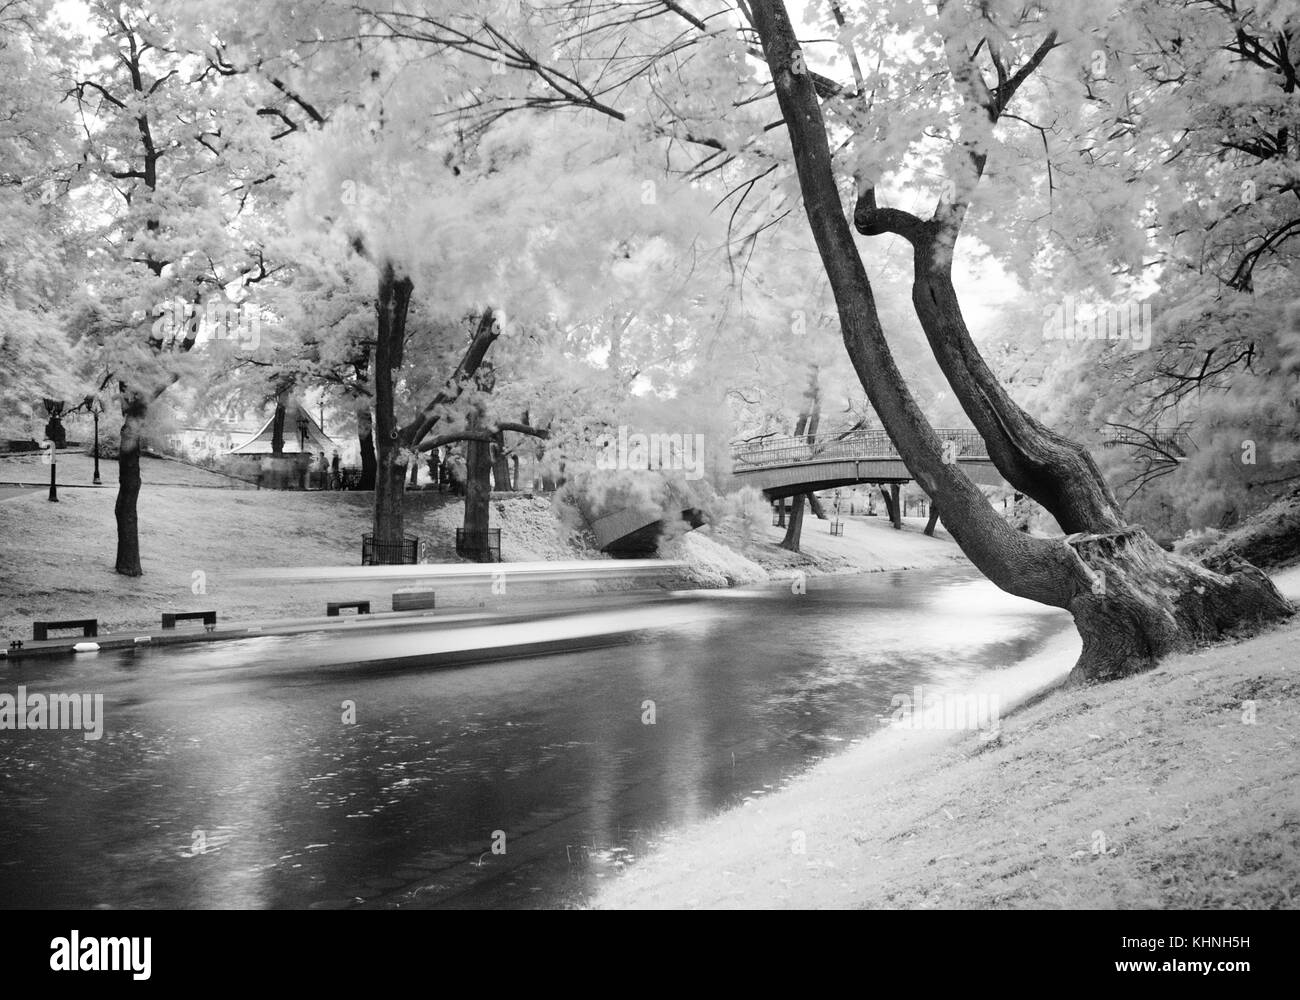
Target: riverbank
<point x="58" y="558"/>
<point x="1173" y="789"/>
<point x="197" y="528"/>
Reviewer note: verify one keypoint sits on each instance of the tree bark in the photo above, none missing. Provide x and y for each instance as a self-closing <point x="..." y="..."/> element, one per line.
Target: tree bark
<point x="794" y="529"/>
<point x="815" y="505"/>
<point x="366" y="442"/>
<point x="500" y="463"/>
<point x="934" y="519"/>
<point x="1058" y="473"/>
<point x="394" y="298"/>
<point x="277" y="425"/>
<point x="1131" y="601"/>
<point x="478" y="493"/>
<point x="134" y="409"/>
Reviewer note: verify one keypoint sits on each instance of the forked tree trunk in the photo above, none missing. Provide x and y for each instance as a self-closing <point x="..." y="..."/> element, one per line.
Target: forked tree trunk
<point x="134" y="410"/>
<point x="795" y="528"/>
<point x="1131" y="601"/>
<point x="890" y="496"/>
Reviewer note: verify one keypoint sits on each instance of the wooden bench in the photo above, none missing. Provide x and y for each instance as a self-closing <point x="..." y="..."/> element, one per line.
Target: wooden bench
<point x="332" y="607"/>
<point x="170" y="618"/>
<point x="88" y="626"/>
<point x="413" y="600"/>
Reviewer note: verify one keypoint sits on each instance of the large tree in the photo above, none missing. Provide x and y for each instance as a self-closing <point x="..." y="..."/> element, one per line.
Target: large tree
<point x="1131" y="601"/>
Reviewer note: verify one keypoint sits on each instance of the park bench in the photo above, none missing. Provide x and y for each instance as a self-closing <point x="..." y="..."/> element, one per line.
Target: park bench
<point x="413" y="600"/>
<point x="332" y="607"/>
<point x="170" y="618"/>
<point x="88" y="626"/>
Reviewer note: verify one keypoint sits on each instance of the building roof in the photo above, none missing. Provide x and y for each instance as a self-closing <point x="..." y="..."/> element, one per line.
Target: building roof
<point x="316" y="439"/>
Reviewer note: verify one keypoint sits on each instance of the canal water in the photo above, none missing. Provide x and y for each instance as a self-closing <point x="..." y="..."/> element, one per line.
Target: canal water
<point x="282" y="772"/>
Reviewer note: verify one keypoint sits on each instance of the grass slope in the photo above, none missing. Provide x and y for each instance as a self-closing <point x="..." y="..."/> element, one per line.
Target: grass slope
<point x="1151" y="792"/>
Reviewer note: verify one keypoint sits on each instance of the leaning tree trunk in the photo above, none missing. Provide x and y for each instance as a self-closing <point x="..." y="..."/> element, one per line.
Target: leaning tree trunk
<point x="390" y="472"/>
<point x="815" y="505"/>
<point x="934" y="519"/>
<point x="134" y="410"/>
<point x="1132" y="602"/>
<point x="890" y="508"/>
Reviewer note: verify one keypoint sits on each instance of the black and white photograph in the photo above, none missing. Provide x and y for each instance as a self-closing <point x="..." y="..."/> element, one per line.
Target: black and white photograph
<point x="603" y="455"/>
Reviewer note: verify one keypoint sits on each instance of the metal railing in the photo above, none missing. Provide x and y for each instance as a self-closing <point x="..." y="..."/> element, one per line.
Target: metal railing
<point x="481" y="546"/>
<point x="855" y="446"/>
<point x="1171" y="439"/>
<point x="375" y="553"/>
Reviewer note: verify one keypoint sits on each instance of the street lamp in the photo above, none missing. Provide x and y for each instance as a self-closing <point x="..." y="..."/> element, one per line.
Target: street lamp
<point x="54" y="434"/>
<point x="96" y="406"/>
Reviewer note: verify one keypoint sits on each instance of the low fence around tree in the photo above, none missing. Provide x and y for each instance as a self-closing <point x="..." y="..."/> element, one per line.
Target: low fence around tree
<point x="375" y="553"/>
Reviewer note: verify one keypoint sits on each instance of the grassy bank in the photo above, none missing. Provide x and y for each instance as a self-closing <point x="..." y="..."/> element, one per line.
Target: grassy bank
<point x="196" y="528"/>
<point x="57" y="559"/>
<point x="1156" y="791"/>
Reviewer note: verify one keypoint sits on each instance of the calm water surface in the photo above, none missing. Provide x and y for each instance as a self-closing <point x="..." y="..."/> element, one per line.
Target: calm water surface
<point x="226" y="776"/>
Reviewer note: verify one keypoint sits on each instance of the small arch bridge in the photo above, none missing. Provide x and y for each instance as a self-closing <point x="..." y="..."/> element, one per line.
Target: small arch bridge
<point x="786" y="466"/>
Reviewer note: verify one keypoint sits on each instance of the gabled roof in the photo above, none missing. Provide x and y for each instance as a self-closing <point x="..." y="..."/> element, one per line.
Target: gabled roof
<point x="316" y="439"/>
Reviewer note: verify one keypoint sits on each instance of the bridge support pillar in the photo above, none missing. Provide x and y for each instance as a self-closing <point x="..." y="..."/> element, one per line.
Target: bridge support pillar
<point x="895" y="507"/>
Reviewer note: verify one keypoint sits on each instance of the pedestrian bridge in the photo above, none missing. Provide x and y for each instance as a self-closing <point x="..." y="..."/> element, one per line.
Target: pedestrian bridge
<point x="786" y="466"/>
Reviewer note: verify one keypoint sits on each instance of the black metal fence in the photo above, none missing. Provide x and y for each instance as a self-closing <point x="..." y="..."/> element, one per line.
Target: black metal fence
<point x="482" y="546"/>
<point x="387" y="553"/>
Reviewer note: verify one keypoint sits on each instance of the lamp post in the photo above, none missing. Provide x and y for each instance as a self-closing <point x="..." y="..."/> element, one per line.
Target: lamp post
<point x="54" y="434"/>
<point x="96" y="407"/>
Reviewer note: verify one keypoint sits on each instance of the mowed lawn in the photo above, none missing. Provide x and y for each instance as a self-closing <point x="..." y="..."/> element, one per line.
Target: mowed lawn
<point x="56" y="559"/>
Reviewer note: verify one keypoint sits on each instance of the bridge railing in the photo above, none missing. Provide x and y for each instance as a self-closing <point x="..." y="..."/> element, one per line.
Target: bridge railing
<point x="1165" y="438"/>
<point x="855" y="446"/>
